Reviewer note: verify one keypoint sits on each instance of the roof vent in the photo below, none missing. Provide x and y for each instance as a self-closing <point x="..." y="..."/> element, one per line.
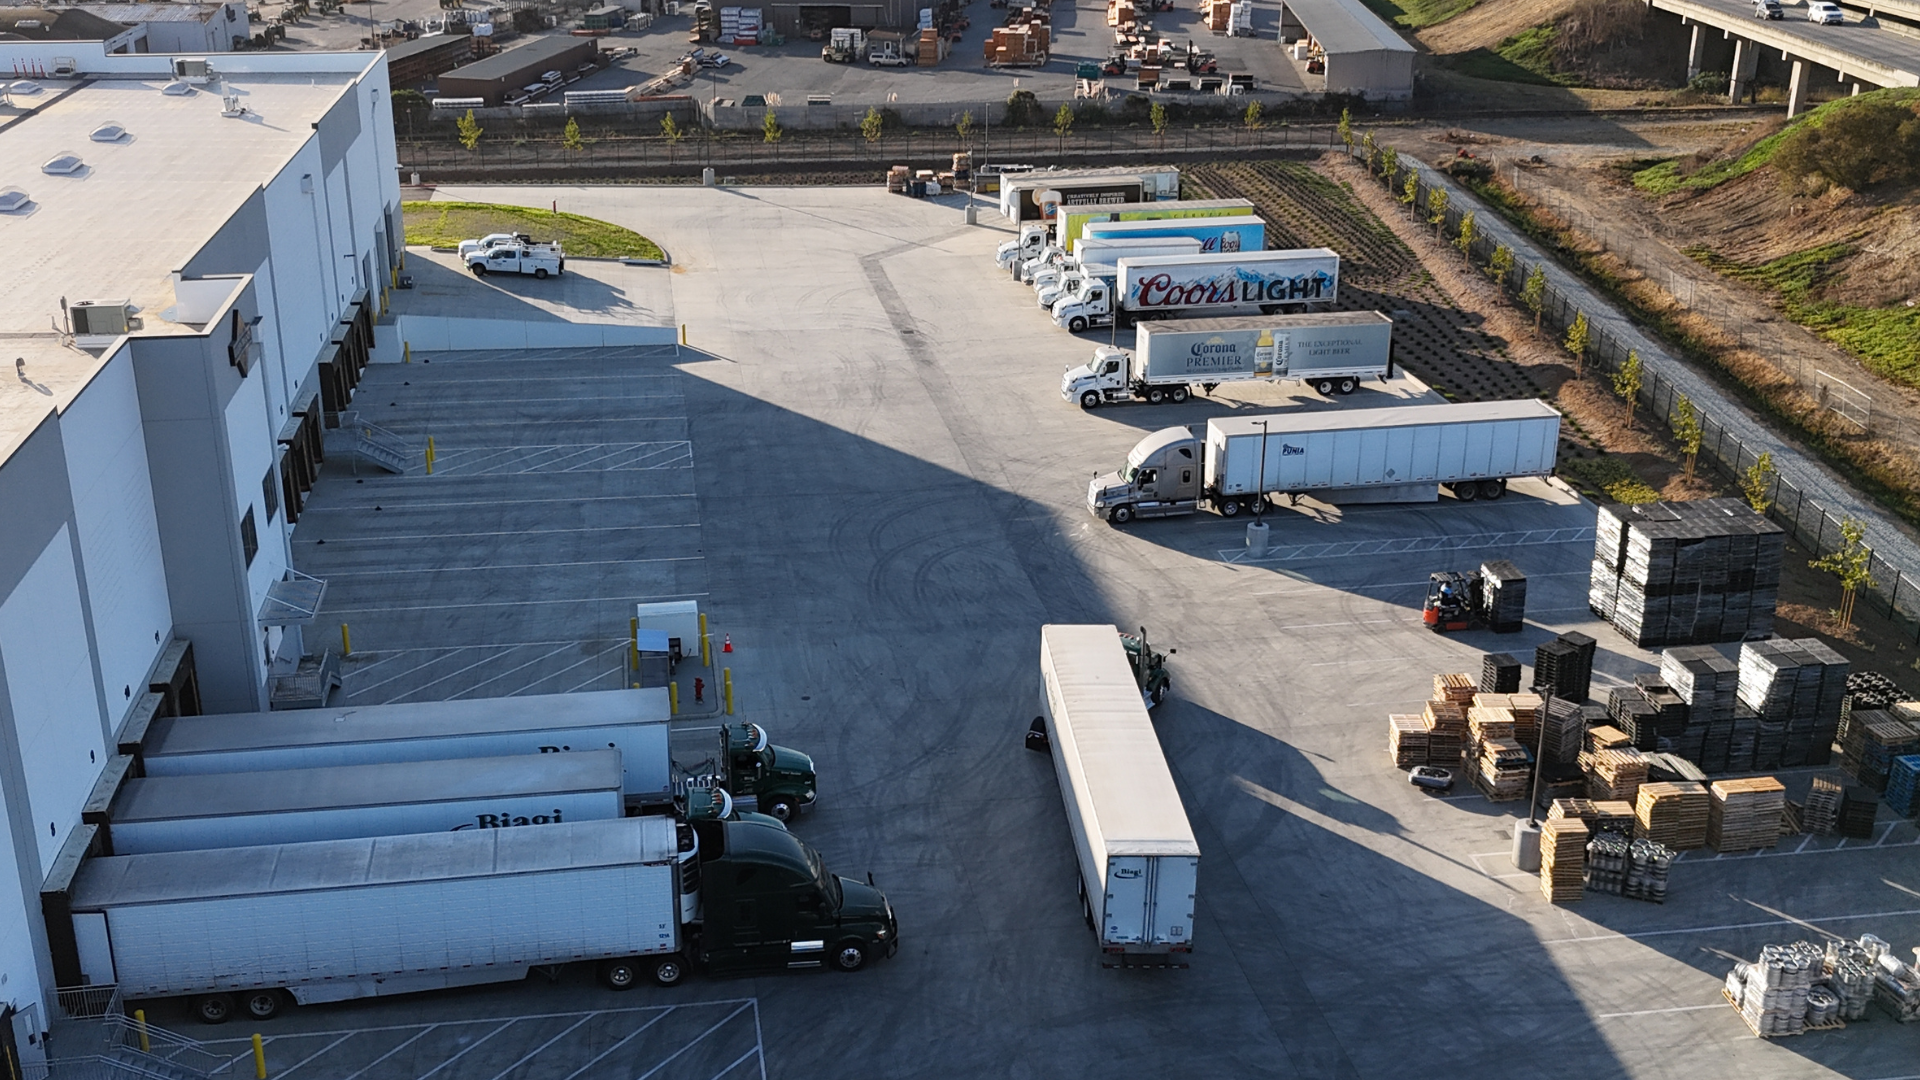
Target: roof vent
<point x="196" y="69"/>
<point x="110" y="131"/>
<point x="12" y="199"/>
<point x="64" y="164"/>
<point x="97" y="322"/>
<point x="23" y="87"/>
<point x="177" y="89"/>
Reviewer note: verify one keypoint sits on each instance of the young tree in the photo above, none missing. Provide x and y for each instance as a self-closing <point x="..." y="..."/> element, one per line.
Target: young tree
<point x="470" y="131"/>
<point x="1367" y="144"/>
<point x="1063" y="120"/>
<point x="1500" y="264"/>
<point x="1852" y="563"/>
<point x="1346" y="129"/>
<point x="1252" y="117"/>
<point x="1534" y="294"/>
<point x="1757" y="486"/>
<point x="872" y="125"/>
<point x="964" y="128"/>
<point x="570" y="138"/>
<point x="1687" y="429"/>
<point x="1412" y="189"/>
<point x="1627" y="380"/>
<point x="770" y="128"/>
<point x="1467" y="236"/>
<point x="671" y="129"/>
<point x="1436" y="208"/>
<point x="1389" y="163"/>
<point x="1577" y="337"/>
<point x="1157" y="116"/>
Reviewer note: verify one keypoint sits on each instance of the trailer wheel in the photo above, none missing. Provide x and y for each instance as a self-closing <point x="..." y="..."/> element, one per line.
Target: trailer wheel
<point x="668" y="970"/>
<point x="1120" y="515"/>
<point x="1466" y="492"/>
<point x="618" y="974"/>
<point x="1230" y="508"/>
<point x="1349" y="385"/>
<point x="213" y="1008"/>
<point x="1179" y="395"/>
<point x="850" y="955"/>
<point x="540" y="273"/>
<point x="1324" y="388"/>
<point x="1090" y="399"/>
<point x="264" y="1004"/>
<point x="1156" y="396"/>
<point x="1492" y="489"/>
<point x="1076" y="324"/>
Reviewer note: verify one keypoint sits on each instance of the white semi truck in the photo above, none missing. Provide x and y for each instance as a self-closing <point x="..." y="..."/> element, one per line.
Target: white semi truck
<point x="1331" y="352"/>
<point x="244" y="929"/>
<point x="1164" y="287"/>
<point x="1139" y="863"/>
<point x="1398" y="454"/>
<point x="1068" y="224"/>
<point x="1100" y="259"/>
<point x="342" y="802"/>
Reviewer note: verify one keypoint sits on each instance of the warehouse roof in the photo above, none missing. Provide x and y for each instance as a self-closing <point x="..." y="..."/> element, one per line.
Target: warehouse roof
<point x="424" y="44"/>
<point x="69" y="24"/>
<point x="1346" y="26"/>
<point x="134" y="14"/>
<point x="506" y="64"/>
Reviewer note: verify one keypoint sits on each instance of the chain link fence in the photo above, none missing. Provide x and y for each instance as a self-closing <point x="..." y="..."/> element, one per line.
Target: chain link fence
<point x="1894" y="592"/>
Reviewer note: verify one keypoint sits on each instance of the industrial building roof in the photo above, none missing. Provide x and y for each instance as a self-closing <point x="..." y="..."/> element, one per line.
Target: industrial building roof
<point x="65" y="24"/>
<point x="402" y="50"/>
<point x="517" y="59"/>
<point x="134" y="14"/>
<point x="1346" y="26"/>
<point x="135" y="210"/>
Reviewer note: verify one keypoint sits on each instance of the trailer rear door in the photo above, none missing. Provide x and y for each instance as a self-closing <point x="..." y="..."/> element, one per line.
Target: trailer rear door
<point x="1129" y="900"/>
<point x="1175" y="881"/>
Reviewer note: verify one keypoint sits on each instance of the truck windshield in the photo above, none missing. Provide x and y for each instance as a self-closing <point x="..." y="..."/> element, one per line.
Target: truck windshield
<point x="829" y="885"/>
<point x="1127" y="474"/>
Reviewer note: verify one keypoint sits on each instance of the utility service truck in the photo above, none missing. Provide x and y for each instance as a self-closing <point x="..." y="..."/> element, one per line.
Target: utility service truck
<point x="343" y="802"/>
<point x="1330" y="351"/>
<point x="1248" y="282"/>
<point x="1216" y="234"/>
<point x="540" y="260"/>
<point x="1139" y="863"/>
<point x="332" y="920"/>
<point x="1399" y="454"/>
<point x="631" y="721"/>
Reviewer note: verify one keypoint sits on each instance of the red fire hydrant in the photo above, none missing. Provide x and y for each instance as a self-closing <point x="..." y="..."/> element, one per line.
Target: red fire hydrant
<point x="699" y="689"/>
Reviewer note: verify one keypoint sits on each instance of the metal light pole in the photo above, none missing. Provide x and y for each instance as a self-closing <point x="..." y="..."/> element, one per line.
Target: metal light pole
<point x="1260" y="505"/>
<point x="1526" y="834"/>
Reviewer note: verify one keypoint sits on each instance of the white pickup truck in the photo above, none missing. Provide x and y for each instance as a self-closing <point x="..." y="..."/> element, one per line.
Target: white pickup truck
<point x="539" y="260"/>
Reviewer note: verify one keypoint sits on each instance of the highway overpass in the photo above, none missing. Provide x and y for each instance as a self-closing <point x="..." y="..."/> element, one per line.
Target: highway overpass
<point x="1870" y="48"/>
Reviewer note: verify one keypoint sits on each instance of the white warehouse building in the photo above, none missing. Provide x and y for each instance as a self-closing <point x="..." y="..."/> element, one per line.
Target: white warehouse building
<point x="203" y="272"/>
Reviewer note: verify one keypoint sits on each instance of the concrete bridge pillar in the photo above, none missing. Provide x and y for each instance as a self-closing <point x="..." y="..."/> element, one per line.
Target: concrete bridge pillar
<point x="1797" y="89"/>
<point x="1746" y="58"/>
<point x="1694" y="50"/>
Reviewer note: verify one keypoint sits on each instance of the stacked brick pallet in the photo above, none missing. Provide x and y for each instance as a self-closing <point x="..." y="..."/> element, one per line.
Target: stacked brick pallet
<point x="1744" y="815"/>
<point x="1674" y="814"/>
<point x="1563" y="859"/>
<point x="1686" y="573"/>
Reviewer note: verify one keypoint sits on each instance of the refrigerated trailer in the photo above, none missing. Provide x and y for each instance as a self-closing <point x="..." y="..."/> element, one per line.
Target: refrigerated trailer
<point x="646" y="897"/>
<point x="1331" y="352"/>
<point x="342" y="802"/>
<point x="633" y="722"/>
<point x="1139" y="863"/>
<point x="1023" y="196"/>
<point x="1216" y="234"/>
<point x="1400" y="454"/>
<point x="1072" y="222"/>
<point x="1242" y="283"/>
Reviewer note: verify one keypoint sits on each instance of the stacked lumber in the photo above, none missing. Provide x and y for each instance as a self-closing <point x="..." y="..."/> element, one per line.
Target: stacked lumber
<point x="1615" y="773"/>
<point x="1446" y="732"/>
<point x="1502" y="770"/>
<point x="1744" y="815"/>
<point x="1407" y="740"/>
<point x="1563" y="859"/>
<point x="1673" y="814"/>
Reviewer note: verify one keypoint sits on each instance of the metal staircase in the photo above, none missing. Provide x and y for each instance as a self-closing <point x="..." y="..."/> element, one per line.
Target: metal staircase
<point x="388" y="449"/>
<point x="115" y="1046"/>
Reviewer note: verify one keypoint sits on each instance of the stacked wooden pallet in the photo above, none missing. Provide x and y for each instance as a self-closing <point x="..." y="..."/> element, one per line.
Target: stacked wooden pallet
<point x="1563" y="859"/>
<point x="1674" y="814"/>
<point x="1456" y="688"/>
<point x="1606" y="736"/>
<point x="1446" y="732"/>
<point x="1615" y="773"/>
<point x="1821" y="813"/>
<point x="1484" y="724"/>
<point x="1502" y="770"/>
<point x="1526" y="718"/>
<point x="1566" y="732"/>
<point x="1407" y="740"/>
<point x="1744" y="815"/>
<point x="1605" y="815"/>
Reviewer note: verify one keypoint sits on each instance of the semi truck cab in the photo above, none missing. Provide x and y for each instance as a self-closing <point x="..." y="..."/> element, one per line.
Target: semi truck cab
<point x="1149" y="667"/>
<point x="1013" y="253"/>
<point x="1162" y="478"/>
<point x="779" y="781"/>
<point x="1091" y="306"/>
<point x="1109" y="378"/>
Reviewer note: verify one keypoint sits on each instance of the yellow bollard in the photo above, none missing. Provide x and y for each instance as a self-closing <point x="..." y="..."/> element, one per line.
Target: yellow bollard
<point x="259" y="1058"/>
<point x="406" y="352"/>
<point x="429" y="455"/>
<point x="140" y="1020"/>
<point x="726" y="687"/>
<point x="673" y="698"/>
<point x="346" y="641"/>
<point x="393" y="277"/>
<point x="634" y="641"/>
<point x="706" y="643"/>
<point x="683" y="333"/>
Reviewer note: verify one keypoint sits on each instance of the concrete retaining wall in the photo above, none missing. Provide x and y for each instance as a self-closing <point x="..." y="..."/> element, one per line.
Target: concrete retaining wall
<point x="438" y="333"/>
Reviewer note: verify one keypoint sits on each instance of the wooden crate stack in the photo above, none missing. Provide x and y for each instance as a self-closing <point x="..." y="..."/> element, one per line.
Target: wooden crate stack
<point x="1502" y="770"/>
<point x="1674" y="814"/>
<point x="1615" y="773"/>
<point x="1446" y="733"/>
<point x="1563" y="859"/>
<point x="1744" y="815"/>
<point x="1407" y="740"/>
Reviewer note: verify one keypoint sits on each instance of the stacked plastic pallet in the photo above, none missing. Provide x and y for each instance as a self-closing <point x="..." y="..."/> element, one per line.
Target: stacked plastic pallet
<point x="1633" y="714"/>
<point x="1744" y="815"/>
<point x="1901" y="784"/>
<point x="1563" y="857"/>
<point x="1684" y="573"/>
<point x="1709" y="685"/>
<point x="1566" y="665"/>
<point x="1566" y="732"/>
<point x="1407" y="740"/>
<point x="1499" y="673"/>
<point x="1674" y="814"/>
<point x="1820" y="815"/>
<point x="1795" y="688"/>
<point x="1859" y="806"/>
<point x="1503" y="597"/>
<point x="1874" y="737"/>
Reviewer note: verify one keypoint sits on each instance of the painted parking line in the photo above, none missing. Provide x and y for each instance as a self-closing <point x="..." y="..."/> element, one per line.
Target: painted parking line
<point x="1637" y="935"/>
<point x="1410" y="544"/>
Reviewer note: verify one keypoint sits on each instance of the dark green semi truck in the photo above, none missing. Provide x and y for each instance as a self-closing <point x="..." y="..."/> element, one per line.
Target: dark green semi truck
<point x="773" y="780"/>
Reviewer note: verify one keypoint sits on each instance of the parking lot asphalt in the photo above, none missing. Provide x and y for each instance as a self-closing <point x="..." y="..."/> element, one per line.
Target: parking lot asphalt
<point x="888" y="496"/>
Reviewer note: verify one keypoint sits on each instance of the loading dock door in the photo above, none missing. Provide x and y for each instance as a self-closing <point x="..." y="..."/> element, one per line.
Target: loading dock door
<point x="825" y="16"/>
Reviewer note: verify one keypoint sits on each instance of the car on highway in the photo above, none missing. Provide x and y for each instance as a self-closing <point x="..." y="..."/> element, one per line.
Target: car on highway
<point x="1825" y="12"/>
<point x="1768" y="9"/>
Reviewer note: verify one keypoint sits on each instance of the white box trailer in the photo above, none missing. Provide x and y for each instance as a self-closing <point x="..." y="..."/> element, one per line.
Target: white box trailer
<point x="1330" y="351"/>
<point x="1399" y="454"/>
<point x="341" y="802"/>
<point x="1023" y="196"/>
<point x="633" y="722"/>
<point x="1240" y="232"/>
<point x="1072" y="221"/>
<point x="1139" y="862"/>
<point x="1242" y="283"/>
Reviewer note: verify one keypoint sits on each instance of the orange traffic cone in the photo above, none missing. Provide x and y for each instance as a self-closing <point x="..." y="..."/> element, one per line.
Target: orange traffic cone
<point x="726" y="643"/>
